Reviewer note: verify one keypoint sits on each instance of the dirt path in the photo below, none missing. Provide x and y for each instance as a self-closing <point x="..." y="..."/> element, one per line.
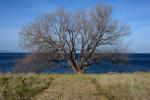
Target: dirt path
<point x="70" y="88"/>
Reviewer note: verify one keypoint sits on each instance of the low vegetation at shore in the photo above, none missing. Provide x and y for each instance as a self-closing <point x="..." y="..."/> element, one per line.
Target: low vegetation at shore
<point x="134" y="86"/>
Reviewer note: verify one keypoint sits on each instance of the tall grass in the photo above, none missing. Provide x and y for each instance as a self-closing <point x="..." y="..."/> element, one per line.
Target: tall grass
<point x="135" y="86"/>
<point x="22" y="86"/>
<point x="124" y="86"/>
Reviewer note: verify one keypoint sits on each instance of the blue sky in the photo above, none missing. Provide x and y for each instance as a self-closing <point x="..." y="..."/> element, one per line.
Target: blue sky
<point x="14" y="14"/>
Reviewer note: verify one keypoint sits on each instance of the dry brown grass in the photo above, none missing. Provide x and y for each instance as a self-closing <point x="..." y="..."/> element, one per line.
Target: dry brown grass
<point x="135" y="86"/>
<point x="124" y="86"/>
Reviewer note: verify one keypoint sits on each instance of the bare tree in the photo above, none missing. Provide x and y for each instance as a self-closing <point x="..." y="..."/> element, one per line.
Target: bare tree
<point x="78" y="37"/>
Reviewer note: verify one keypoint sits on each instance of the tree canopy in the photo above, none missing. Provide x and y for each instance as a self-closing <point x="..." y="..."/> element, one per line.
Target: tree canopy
<point x="81" y="38"/>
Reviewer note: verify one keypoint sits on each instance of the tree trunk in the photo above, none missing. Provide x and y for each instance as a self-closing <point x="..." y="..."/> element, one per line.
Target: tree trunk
<point x="72" y="65"/>
<point x="76" y="69"/>
<point x="80" y="72"/>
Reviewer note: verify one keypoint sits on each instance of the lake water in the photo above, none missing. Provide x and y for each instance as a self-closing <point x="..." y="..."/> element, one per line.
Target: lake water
<point x="137" y="62"/>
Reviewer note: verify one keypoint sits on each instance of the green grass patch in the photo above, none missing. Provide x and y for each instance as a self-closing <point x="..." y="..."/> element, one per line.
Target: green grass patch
<point x="22" y="86"/>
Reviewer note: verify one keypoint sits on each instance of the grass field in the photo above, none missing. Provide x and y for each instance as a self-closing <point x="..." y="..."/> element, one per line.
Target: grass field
<point x="135" y="86"/>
